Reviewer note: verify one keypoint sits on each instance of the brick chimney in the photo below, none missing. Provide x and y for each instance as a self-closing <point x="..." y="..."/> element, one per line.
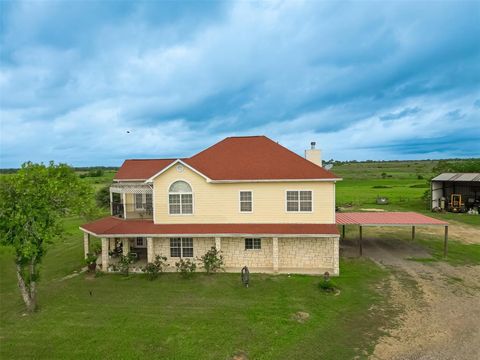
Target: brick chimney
<point x="314" y="155"/>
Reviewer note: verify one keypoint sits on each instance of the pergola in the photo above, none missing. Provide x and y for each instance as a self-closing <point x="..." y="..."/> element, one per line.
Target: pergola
<point x="412" y="219"/>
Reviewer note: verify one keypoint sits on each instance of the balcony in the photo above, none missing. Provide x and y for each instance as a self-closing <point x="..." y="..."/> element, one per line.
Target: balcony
<point x="131" y="200"/>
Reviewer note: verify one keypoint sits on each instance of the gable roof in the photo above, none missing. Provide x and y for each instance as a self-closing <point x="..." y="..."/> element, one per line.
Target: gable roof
<point x="141" y="169"/>
<point x="246" y="158"/>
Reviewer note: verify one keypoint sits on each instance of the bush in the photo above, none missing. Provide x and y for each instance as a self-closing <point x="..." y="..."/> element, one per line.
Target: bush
<point x="102" y="197"/>
<point x="124" y="263"/>
<point x="327" y="285"/>
<point x="212" y="261"/>
<point x="186" y="268"/>
<point x="384" y="175"/>
<point x="420" y="177"/>
<point x="153" y="269"/>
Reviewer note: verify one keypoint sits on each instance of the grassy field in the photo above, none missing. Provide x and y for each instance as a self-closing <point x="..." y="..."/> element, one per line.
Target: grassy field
<point x="213" y="317"/>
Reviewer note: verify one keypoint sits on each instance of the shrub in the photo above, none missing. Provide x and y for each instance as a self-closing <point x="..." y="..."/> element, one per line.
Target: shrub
<point x="212" y="261"/>
<point x="384" y="175"/>
<point x="153" y="269"/>
<point x="326" y="285"/>
<point x="186" y="268"/>
<point x="124" y="263"/>
<point x="420" y="177"/>
<point x="96" y="248"/>
<point x="102" y="197"/>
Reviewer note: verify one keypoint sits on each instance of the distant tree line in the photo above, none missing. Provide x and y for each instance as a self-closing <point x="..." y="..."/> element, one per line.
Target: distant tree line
<point x="85" y="168"/>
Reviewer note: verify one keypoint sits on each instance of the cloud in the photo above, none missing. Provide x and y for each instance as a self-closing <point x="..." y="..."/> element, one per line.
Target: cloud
<point x="365" y="80"/>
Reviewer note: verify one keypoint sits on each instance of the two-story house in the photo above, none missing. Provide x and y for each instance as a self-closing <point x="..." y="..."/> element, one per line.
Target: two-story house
<point x="261" y="204"/>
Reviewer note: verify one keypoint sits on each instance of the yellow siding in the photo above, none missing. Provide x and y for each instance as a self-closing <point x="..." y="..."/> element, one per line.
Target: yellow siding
<point x="219" y="203"/>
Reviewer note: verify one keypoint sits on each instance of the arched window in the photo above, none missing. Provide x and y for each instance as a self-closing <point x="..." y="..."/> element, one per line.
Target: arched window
<point x="180" y="198"/>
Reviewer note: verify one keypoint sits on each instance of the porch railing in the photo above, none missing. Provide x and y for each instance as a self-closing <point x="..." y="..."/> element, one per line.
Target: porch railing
<point x="143" y="209"/>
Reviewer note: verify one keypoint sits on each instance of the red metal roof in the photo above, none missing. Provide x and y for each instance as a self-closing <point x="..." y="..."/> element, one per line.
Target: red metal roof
<point x="236" y="158"/>
<point x="110" y="226"/>
<point x="386" y="218"/>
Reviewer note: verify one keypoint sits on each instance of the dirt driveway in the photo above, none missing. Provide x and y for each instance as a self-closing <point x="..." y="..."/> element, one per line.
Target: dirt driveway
<point x="439" y="303"/>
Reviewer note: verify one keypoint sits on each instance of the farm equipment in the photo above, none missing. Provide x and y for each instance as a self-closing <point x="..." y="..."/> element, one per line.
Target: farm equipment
<point x="456" y="205"/>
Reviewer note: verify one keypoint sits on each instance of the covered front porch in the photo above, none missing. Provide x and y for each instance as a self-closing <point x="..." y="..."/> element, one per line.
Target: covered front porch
<point x="113" y="248"/>
<point x="266" y="248"/>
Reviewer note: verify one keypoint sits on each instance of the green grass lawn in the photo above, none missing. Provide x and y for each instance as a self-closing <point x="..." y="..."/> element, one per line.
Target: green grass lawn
<point x="206" y="317"/>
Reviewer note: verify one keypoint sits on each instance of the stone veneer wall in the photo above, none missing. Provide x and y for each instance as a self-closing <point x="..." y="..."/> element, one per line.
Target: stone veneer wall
<point x="236" y="257"/>
<point x="295" y="255"/>
<point x="310" y="254"/>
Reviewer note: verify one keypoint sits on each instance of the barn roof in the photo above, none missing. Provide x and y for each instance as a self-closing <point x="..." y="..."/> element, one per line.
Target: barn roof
<point x="457" y="177"/>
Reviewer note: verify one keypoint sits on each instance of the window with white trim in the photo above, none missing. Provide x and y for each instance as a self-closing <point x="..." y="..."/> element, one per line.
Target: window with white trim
<point x="246" y="201"/>
<point x="181" y="247"/>
<point x="143" y="201"/>
<point x="180" y="198"/>
<point x="253" y="244"/>
<point x="138" y="201"/>
<point x="299" y="201"/>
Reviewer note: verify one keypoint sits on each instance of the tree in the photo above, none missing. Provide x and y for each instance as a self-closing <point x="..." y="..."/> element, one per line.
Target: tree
<point x="103" y="197"/>
<point x="32" y="202"/>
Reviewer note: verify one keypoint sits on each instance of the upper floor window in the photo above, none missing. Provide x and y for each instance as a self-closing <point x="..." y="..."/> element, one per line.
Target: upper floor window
<point x="246" y="201"/>
<point x="143" y="201"/>
<point x="180" y="198"/>
<point x="299" y="201"/>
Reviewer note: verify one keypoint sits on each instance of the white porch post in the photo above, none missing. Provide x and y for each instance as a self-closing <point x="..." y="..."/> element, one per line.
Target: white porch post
<point x="124" y="197"/>
<point x="86" y="243"/>
<point x="218" y="243"/>
<point x="125" y="246"/>
<point x="105" y="244"/>
<point x="275" y="253"/>
<point x="150" y="254"/>
<point x="111" y="202"/>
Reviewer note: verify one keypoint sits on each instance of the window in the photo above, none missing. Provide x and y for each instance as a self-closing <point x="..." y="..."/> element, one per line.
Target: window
<point x="253" y="244"/>
<point x="246" y="201"/>
<point x="299" y="201"/>
<point x="143" y="201"/>
<point x="180" y="198"/>
<point x="181" y="247"/>
<point x="140" y="241"/>
<point x="138" y="201"/>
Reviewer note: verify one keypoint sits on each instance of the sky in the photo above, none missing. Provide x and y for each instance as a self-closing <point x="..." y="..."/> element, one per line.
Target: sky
<point x="94" y="83"/>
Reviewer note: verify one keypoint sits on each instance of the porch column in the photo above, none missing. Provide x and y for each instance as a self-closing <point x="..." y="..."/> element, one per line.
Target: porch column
<point x="150" y="254"/>
<point x="218" y="243"/>
<point x="111" y="202"/>
<point x="336" y="252"/>
<point x="275" y="254"/>
<point x="124" y="197"/>
<point x="125" y="246"/>
<point x="360" y="238"/>
<point x="86" y="243"/>
<point x="105" y="254"/>
<point x="413" y="233"/>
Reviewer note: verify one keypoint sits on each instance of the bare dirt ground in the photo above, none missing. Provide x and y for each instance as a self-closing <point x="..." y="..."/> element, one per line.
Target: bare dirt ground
<point x="439" y="303"/>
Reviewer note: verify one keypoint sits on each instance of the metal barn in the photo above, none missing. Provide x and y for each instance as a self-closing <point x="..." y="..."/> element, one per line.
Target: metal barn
<point x="457" y="192"/>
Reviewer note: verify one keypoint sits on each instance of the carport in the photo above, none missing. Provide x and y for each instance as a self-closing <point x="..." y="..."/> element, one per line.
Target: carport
<point x="411" y="219"/>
